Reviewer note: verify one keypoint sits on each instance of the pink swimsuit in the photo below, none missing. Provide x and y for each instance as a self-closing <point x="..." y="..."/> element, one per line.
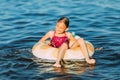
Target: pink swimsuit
<point x="58" y="41"/>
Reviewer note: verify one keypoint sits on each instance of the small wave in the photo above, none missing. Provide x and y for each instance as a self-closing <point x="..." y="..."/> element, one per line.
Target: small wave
<point x="35" y="14"/>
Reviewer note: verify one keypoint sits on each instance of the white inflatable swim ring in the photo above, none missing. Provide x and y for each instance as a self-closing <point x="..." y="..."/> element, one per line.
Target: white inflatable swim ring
<point x="44" y="51"/>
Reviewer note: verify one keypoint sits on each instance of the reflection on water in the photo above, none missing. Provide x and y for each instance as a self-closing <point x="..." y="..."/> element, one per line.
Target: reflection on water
<point x="68" y="71"/>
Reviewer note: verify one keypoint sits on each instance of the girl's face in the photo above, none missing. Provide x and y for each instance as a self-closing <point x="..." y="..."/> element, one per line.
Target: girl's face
<point x="60" y="27"/>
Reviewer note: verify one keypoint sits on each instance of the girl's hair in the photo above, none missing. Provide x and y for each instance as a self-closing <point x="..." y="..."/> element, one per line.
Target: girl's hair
<point x="65" y="20"/>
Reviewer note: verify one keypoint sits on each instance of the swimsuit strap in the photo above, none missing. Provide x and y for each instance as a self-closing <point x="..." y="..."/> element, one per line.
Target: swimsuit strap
<point x="54" y="33"/>
<point x="65" y="33"/>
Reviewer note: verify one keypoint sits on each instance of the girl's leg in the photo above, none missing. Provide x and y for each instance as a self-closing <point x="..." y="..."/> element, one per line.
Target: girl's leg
<point x="82" y="44"/>
<point x="60" y="55"/>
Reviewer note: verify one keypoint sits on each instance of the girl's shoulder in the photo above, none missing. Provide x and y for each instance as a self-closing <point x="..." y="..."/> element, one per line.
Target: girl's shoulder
<point x="51" y="33"/>
<point x="68" y="34"/>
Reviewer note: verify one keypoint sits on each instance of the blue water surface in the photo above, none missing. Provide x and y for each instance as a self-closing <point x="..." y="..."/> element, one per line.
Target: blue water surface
<point x="24" y="22"/>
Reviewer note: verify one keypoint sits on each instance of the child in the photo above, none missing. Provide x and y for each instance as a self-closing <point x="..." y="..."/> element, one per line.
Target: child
<point x="60" y="39"/>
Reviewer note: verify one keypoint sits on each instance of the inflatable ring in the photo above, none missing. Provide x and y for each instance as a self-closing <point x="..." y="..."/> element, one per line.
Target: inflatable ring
<point x="44" y="51"/>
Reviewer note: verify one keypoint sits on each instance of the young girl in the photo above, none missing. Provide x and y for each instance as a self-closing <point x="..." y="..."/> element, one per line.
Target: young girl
<point x="60" y="39"/>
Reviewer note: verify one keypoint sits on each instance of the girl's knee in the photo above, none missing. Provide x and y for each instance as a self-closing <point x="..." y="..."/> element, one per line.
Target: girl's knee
<point x="64" y="45"/>
<point x="80" y="39"/>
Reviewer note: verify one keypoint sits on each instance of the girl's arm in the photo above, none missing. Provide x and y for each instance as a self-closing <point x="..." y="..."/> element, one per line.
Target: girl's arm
<point x="71" y="37"/>
<point x="72" y="41"/>
<point x="45" y="37"/>
<point x="42" y="40"/>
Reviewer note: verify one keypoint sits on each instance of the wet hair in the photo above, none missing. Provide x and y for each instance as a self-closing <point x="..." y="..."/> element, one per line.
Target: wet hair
<point x="65" y="20"/>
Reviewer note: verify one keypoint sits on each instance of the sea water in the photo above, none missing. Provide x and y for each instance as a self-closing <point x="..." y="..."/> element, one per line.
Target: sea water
<point x="24" y="22"/>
